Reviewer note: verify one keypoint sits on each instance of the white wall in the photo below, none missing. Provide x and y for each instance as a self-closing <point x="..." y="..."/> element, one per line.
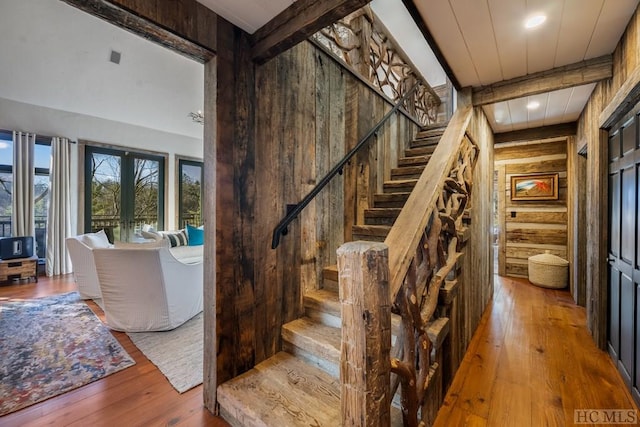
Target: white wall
<point x="56" y="80"/>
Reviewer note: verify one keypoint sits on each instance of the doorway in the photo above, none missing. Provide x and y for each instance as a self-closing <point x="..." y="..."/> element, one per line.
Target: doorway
<point x="124" y="192"/>
<point x="623" y="252"/>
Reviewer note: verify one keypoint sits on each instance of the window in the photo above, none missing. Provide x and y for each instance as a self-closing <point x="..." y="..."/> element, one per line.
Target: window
<point x="190" y="177"/>
<point x="124" y="192"/>
<point x="42" y="159"/>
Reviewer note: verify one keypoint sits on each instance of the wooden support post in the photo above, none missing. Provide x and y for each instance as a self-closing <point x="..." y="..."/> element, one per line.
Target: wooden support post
<point x="365" y="363"/>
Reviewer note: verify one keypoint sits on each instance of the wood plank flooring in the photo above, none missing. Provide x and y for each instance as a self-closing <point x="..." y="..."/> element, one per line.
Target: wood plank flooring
<point x="137" y="396"/>
<point x="531" y="363"/>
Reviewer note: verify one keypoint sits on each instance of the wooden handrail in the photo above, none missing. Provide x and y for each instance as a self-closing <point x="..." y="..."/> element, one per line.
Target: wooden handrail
<point x="406" y="232"/>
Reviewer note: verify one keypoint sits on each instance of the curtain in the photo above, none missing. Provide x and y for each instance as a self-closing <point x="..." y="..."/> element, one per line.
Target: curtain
<point x="59" y="216"/>
<point x="22" y="221"/>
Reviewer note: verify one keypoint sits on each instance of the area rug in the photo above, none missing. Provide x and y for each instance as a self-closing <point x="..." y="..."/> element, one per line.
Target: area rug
<point x="51" y="345"/>
<point x="177" y="353"/>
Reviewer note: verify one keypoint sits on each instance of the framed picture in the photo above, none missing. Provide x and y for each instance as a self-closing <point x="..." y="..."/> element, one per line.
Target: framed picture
<point x="534" y="187"/>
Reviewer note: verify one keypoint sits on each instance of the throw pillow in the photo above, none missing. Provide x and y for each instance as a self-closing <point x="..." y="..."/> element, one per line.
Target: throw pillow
<point x="96" y="240"/>
<point x="177" y="239"/>
<point x="150" y="234"/>
<point x="195" y="235"/>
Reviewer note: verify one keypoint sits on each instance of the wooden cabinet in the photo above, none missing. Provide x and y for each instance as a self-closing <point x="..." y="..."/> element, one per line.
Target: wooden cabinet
<point x="20" y="268"/>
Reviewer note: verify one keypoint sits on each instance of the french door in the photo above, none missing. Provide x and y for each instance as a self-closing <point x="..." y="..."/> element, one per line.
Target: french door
<point x="124" y="191"/>
<point x="624" y="253"/>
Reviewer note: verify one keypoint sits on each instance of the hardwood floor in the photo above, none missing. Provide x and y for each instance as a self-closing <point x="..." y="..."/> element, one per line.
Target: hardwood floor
<point x="136" y="396"/>
<point x="531" y="363"/>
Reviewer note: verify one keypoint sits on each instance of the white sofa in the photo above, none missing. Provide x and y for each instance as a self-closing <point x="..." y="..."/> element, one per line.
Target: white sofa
<point x="147" y="288"/>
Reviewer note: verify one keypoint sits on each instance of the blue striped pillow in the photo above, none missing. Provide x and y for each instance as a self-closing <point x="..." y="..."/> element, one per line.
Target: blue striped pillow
<point x="177" y="239"/>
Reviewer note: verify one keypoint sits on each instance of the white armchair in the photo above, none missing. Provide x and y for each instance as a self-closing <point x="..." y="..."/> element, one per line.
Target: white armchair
<point x="84" y="269"/>
<point x="147" y="289"/>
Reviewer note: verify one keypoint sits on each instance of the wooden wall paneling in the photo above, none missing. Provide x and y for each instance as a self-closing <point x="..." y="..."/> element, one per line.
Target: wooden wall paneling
<point x="580" y="241"/>
<point x="235" y="191"/>
<point x="305" y="165"/>
<point x="270" y="207"/>
<point x="210" y="339"/>
<point x="477" y="272"/>
<point x="394" y="146"/>
<point x="365" y="160"/>
<point x="352" y="106"/>
<point x="337" y="132"/>
<point x="502" y="237"/>
<point x="531" y="227"/>
<point x="289" y="260"/>
<point x="545" y="166"/>
<point x="515" y="151"/>
<point x="571" y="197"/>
<point x="323" y="161"/>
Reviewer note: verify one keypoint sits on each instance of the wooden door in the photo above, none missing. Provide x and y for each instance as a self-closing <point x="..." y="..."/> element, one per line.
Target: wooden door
<point x="624" y="256"/>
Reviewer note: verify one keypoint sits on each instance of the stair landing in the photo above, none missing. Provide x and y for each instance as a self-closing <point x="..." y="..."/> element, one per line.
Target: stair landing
<point x="281" y="391"/>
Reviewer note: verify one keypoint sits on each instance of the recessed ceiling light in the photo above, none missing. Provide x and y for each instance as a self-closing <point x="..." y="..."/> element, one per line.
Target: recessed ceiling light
<point x="534" y="21"/>
<point x="533" y="105"/>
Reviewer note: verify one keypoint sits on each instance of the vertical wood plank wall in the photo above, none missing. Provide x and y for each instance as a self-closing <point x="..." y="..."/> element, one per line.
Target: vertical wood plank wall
<point x="626" y="62"/>
<point x="476" y="287"/>
<point x="531" y="227"/>
<point x="309" y="113"/>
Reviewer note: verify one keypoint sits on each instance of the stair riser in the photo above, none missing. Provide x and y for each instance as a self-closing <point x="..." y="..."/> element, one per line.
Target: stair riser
<point x="421" y="151"/>
<point x="404" y="188"/>
<point x="427" y="133"/>
<point x="423" y="142"/>
<point x="413" y="161"/>
<point x="379" y="220"/>
<point x="389" y="203"/>
<point x="368" y="238"/>
<point x="329" y="365"/>
<point x="325" y="318"/>
<point x="405" y="175"/>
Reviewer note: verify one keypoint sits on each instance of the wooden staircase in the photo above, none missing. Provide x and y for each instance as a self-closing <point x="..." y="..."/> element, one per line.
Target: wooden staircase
<point x="300" y="385"/>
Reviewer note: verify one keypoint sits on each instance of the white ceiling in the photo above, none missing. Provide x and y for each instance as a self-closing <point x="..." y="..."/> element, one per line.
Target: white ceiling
<point x="484" y="42"/>
<point x="247" y="14"/>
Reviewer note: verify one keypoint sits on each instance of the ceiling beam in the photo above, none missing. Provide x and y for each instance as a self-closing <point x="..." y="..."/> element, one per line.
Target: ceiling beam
<point x="577" y="74"/>
<point x="185" y="26"/>
<point x="297" y="23"/>
<point x="533" y="134"/>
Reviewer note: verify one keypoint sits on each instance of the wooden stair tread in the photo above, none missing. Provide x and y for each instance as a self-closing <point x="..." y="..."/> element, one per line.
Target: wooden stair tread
<point x="407" y="170"/>
<point x="282" y="391"/>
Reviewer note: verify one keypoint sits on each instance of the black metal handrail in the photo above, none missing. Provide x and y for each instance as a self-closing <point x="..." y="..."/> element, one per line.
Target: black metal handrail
<point x="294" y="210"/>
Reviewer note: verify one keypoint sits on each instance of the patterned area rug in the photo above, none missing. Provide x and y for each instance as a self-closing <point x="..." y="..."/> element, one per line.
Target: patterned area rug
<point x="177" y="353"/>
<point x="51" y="345"/>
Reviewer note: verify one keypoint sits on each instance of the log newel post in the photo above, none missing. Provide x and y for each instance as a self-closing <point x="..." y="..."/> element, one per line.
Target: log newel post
<point x="365" y="366"/>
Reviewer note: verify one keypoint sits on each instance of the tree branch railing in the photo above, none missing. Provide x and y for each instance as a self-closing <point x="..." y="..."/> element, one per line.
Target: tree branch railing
<point x="282" y="228"/>
<point x="365" y="46"/>
<point x="425" y="246"/>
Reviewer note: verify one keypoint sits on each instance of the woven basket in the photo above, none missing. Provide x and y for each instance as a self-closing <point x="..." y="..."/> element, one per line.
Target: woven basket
<point x="548" y="271"/>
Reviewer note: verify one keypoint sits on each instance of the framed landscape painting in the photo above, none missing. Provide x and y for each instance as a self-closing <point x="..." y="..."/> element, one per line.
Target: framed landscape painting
<point x="534" y="187"/>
